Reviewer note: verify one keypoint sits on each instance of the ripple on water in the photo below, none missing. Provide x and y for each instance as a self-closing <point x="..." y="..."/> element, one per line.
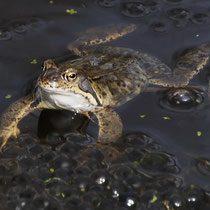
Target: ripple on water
<point x="181" y="99"/>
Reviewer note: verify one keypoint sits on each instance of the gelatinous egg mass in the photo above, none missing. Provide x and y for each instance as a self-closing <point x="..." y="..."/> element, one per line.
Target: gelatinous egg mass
<point x="182" y="99"/>
<point x="134" y="9"/>
<point x="107" y="3"/>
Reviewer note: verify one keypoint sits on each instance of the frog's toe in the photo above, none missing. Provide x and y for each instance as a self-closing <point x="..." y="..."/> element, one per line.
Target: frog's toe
<point x="16" y="132"/>
<point x="6" y="134"/>
<point x="4" y="138"/>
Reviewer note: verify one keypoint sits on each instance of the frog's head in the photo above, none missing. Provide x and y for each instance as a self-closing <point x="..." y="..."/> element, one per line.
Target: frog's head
<point x="66" y="87"/>
<point x="63" y="78"/>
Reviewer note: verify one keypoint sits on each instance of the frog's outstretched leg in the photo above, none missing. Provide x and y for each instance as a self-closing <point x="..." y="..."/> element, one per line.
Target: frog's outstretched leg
<point x="189" y="65"/>
<point x="13" y="115"/>
<point x="99" y="35"/>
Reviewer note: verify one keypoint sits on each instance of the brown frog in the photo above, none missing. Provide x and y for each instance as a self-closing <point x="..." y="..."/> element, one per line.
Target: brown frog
<point x="100" y="79"/>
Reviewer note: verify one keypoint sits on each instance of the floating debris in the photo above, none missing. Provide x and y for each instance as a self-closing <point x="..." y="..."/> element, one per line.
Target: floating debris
<point x="154" y="199"/>
<point x="166" y="118"/>
<point x="8" y="96"/>
<point x="199" y="133"/>
<point x="71" y="11"/>
<point x="52" y="170"/>
<point x="34" y="61"/>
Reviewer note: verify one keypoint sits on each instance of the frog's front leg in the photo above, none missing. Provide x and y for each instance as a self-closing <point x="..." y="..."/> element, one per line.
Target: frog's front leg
<point x="12" y="116"/>
<point x="110" y="129"/>
<point x="110" y="126"/>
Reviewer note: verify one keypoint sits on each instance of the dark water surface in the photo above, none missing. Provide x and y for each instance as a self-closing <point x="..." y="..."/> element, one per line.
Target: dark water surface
<point x="166" y="156"/>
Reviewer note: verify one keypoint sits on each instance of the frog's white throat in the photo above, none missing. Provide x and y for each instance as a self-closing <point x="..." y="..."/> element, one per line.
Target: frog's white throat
<point x="67" y="100"/>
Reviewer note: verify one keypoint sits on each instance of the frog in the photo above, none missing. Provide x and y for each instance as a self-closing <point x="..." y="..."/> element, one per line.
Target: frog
<point x="100" y="79"/>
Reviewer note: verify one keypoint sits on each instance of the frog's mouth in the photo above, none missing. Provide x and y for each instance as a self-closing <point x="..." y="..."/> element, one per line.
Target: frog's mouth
<point x="67" y="99"/>
<point x="83" y="88"/>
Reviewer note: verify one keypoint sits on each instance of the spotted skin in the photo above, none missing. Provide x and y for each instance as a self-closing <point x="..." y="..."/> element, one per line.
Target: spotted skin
<point x="188" y="65"/>
<point x="22" y="107"/>
<point x="108" y="118"/>
<point x="13" y="115"/>
<point x="99" y="35"/>
<point x="101" y="79"/>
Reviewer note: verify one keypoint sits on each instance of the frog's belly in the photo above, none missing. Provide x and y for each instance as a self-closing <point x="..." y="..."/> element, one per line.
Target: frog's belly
<point x="70" y="101"/>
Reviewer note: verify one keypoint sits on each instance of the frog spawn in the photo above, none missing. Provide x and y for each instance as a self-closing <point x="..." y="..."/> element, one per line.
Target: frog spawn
<point x="182" y="99"/>
<point x="60" y="180"/>
<point x="107" y="3"/>
<point x="203" y="166"/>
<point x="179" y="16"/>
<point x="20" y="26"/>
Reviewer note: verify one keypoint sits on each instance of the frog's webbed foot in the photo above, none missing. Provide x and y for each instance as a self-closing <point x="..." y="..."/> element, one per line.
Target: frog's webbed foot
<point x="6" y="134"/>
<point x="99" y="35"/>
<point x="13" y="115"/>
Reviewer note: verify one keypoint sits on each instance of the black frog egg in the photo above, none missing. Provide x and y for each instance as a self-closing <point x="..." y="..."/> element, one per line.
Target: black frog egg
<point x="5" y="34"/>
<point x="173" y="1"/>
<point x="203" y="166"/>
<point x="182" y="96"/>
<point x="134" y="9"/>
<point x="107" y="3"/>
<point x="159" y="26"/>
<point x="182" y="99"/>
<point x="201" y="18"/>
<point x="179" y="14"/>
<point x="19" y="27"/>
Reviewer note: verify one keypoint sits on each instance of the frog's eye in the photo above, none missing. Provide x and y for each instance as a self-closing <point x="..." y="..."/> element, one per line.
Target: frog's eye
<point x="69" y="76"/>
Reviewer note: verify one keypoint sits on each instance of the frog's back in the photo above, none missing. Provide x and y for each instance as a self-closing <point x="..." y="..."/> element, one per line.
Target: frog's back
<point x="115" y="77"/>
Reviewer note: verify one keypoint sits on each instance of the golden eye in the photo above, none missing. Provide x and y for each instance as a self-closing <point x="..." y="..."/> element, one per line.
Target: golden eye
<point x="69" y="76"/>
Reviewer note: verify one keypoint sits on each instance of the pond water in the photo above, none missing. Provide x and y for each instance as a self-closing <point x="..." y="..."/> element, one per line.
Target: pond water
<point x="165" y="161"/>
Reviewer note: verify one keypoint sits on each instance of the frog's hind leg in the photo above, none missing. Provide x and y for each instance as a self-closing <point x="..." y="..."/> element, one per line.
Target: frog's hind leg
<point x="191" y="63"/>
<point x="99" y="35"/>
<point x="188" y="65"/>
<point x="13" y="115"/>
